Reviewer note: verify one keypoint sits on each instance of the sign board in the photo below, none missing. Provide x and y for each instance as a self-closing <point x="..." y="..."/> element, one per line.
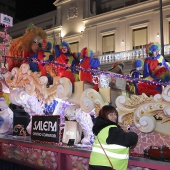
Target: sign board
<point x="6" y="20"/>
<point x="45" y="128"/>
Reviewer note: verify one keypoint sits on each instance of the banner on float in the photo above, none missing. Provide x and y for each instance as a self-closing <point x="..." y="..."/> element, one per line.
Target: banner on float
<point x="6" y="20"/>
<point x="45" y="128"/>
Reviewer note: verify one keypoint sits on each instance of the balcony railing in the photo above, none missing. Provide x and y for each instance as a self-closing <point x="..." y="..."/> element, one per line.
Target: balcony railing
<point x="128" y="55"/>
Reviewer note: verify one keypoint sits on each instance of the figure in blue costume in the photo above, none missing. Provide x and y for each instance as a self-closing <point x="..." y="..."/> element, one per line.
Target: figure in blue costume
<point x="135" y="73"/>
<point x="40" y="61"/>
<point x="153" y="64"/>
<point x="153" y="61"/>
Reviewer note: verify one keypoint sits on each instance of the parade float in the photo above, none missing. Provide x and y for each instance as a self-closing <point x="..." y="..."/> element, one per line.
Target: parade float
<point x="68" y="107"/>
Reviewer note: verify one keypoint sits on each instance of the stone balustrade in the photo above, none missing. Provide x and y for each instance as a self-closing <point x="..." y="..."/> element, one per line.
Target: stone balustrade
<point x="128" y="55"/>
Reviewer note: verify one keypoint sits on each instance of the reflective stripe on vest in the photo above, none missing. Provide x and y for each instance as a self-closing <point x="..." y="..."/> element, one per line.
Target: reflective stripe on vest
<point x="110" y="154"/>
<point x="111" y="146"/>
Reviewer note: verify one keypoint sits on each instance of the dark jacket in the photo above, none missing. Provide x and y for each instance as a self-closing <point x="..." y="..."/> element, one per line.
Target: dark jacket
<point x="116" y="134"/>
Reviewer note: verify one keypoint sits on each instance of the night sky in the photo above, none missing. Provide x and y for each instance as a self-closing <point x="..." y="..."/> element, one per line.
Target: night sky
<point x="26" y="9"/>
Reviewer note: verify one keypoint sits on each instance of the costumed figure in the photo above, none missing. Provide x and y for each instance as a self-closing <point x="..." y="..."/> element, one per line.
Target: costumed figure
<point x="88" y="63"/>
<point x="117" y="68"/>
<point x="64" y="59"/>
<point x="25" y="46"/>
<point x="135" y="73"/>
<point x="153" y="62"/>
<point x="40" y="61"/>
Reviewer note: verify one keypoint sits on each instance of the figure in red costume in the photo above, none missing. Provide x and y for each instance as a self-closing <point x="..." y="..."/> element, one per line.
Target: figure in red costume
<point x="88" y="63"/>
<point x="153" y="64"/>
<point x="65" y="59"/>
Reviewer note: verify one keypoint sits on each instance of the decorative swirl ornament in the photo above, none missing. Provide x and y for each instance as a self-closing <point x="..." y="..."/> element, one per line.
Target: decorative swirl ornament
<point x="33" y="83"/>
<point x="29" y="90"/>
<point x="64" y="88"/>
<point x="148" y="113"/>
<point x="166" y="94"/>
<point x="88" y="99"/>
<point x="144" y="122"/>
<point x="122" y="107"/>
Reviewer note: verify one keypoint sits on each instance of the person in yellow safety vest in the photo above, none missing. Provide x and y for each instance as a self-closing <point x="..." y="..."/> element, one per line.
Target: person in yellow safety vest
<point x="111" y="145"/>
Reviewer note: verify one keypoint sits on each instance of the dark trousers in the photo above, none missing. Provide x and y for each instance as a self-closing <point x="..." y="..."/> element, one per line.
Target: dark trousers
<point x="92" y="167"/>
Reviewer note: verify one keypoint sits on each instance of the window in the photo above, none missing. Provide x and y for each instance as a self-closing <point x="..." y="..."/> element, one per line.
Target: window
<point x="131" y="2"/>
<point x="102" y="6"/>
<point x="108" y="44"/>
<point x="48" y="26"/>
<point x="139" y="37"/>
<point x="74" y="47"/>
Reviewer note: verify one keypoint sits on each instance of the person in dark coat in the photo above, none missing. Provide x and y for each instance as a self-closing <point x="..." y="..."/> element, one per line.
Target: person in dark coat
<point x="111" y="145"/>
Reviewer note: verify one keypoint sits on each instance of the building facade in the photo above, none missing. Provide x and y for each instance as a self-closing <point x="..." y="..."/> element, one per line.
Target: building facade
<point x="107" y="27"/>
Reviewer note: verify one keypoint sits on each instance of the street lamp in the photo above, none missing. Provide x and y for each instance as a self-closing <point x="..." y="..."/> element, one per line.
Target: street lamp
<point x="161" y="28"/>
